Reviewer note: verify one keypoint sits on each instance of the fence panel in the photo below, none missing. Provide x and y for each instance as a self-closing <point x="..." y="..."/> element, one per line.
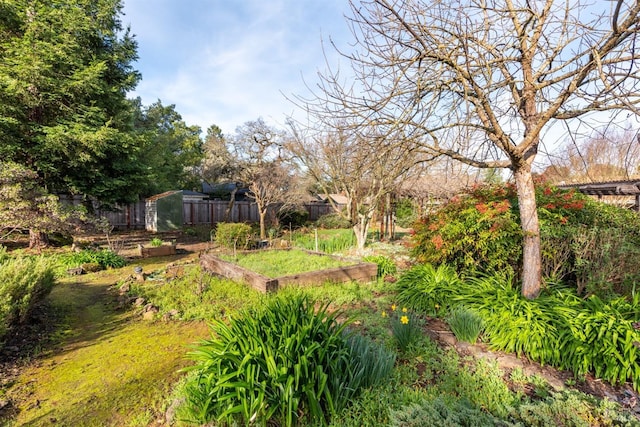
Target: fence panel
<point x="204" y="212"/>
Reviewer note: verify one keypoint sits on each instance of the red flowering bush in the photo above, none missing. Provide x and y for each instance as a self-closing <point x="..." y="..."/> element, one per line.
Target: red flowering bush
<point x="475" y="233"/>
<point x="587" y="244"/>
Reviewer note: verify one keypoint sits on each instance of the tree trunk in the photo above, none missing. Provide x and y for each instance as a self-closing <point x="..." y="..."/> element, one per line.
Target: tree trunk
<point x="38" y="239"/>
<point x="263" y="230"/>
<point x="531" y="258"/>
<point x="232" y="200"/>
<point x="361" y="228"/>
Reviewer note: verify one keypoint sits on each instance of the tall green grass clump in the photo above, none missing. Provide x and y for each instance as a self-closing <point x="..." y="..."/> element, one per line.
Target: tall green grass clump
<point x="283" y="364"/>
<point x="386" y="266"/>
<point x="465" y="324"/>
<point x="24" y="282"/>
<point x="428" y="289"/>
<point x="329" y="241"/>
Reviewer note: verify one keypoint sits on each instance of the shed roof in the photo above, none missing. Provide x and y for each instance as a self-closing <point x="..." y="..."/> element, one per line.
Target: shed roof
<point x="610" y="188"/>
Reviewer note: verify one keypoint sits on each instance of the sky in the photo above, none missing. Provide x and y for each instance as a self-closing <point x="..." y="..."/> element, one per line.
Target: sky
<point x="226" y="62"/>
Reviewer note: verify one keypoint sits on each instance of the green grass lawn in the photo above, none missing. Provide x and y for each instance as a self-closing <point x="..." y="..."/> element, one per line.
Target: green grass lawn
<point x="277" y="263"/>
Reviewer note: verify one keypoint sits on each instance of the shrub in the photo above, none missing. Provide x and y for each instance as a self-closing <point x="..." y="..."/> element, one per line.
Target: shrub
<point x="294" y="217"/>
<point x="155" y="242"/>
<point x="233" y="235"/>
<point x="466" y="324"/>
<point x="593" y="246"/>
<point x="24" y="282"/>
<point x="477" y="233"/>
<point x="279" y="364"/>
<point x="386" y="266"/>
<point x="333" y="221"/>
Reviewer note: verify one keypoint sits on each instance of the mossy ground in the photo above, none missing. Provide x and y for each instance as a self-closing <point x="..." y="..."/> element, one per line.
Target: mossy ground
<point x="108" y="366"/>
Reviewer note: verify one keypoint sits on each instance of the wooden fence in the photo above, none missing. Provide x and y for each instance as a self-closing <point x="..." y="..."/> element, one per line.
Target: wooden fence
<point x="204" y="212"/>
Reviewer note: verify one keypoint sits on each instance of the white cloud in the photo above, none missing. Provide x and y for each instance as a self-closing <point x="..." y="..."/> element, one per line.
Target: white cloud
<point x="226" y="62"/>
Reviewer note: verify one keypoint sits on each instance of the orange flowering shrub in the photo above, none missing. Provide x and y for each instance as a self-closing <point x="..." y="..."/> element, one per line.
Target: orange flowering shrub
<point x="590" y="245"/>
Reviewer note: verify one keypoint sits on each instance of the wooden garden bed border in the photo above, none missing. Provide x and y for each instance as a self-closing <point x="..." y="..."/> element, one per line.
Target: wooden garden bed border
<point x="362" y="271"/>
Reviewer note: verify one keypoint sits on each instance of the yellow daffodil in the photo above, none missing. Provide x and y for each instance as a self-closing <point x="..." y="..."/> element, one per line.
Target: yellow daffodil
<point x="404" y="320"/>
<point x="384" y="314"/>
<point x="404" y="309"/>
<point x="393" y="307"/>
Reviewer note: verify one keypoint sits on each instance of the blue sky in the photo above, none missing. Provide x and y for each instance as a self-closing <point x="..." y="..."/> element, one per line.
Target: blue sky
<point x="226" y="62"/>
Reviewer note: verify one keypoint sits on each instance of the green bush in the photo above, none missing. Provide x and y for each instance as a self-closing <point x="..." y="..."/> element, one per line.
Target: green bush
<point x="281" y="364"/>
<point x="590" y="245"/>
<point x="333" y="221"/>
<point x="293" y="217"/>
<point x="478" y="233"/>
<point x="386" y="266"/>
<point x="233" y="235"/>
<point x="24" y="282"/>
<point x="466" y="324"/>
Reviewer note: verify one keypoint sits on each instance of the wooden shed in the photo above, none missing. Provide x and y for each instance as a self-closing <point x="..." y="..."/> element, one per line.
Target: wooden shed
<point x="163" y="212"/>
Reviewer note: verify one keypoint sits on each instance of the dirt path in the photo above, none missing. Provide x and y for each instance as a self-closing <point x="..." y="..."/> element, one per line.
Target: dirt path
<point x="109" y="368"/>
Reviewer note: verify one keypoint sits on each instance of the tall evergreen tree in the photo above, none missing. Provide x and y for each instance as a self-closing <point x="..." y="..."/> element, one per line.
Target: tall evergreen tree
<point x="65" y="70"/>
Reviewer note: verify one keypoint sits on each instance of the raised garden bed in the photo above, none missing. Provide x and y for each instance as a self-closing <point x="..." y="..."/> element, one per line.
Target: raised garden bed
<point x="358" y="271"/>
<point x="152" y="251"/>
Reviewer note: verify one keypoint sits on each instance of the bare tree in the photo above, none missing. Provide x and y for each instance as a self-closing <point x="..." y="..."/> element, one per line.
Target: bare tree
<point x="259" y="152"/>
<point x="482" y="81"/>
<point x="364" y="168"/>
<point x="606" y="156"/>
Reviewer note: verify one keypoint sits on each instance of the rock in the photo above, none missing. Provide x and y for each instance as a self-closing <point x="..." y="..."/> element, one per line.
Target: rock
<point x="174" y="313"/>
<point x="75" y="271"/>
<point x="126" y="287"/>
<point x="139" y="302"/>
<point x="149" y="315"/>
<point x="150" y="308"/>
<point x="170" y="415"/>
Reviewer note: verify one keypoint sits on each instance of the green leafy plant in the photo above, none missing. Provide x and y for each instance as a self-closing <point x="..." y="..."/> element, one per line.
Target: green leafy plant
<point x="155" y="242"/>
<point x="428" y="289"/>
<point x="386" y="266"/>
<point x="406" y="327"/>
<point x="103" y="259"/>
<point x="329" y="241"/>
<point x="466" y="324"/>
<point x="277" y="364"/>
<point x="443" y="412"/>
